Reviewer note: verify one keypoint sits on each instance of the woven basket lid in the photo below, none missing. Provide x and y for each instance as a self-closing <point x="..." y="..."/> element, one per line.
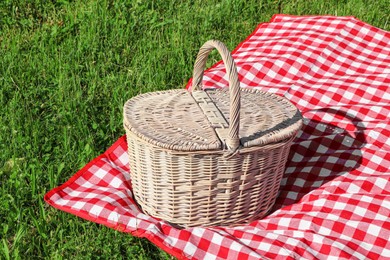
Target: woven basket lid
<point x="212" y="119"/>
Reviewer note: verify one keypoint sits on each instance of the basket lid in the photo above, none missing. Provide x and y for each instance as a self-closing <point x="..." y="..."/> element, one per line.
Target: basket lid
<point x="170" y="119"/>
<point x="212" y="119"/>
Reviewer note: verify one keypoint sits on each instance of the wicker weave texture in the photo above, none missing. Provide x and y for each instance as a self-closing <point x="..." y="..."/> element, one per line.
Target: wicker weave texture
<point x="170" y="119"/>
<point x="265" y="117"/>
<point x="174" y="120"/>
<point x="209" y="157"/>
<point x="206" y="189"/>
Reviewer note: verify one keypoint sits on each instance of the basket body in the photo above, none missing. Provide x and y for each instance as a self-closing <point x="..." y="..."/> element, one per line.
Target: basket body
<point x="206" y="189"/>
<point x="209" y="157"/>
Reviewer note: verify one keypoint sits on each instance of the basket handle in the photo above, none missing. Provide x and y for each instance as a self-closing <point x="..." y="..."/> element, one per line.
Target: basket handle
<point x="233" y="140"/>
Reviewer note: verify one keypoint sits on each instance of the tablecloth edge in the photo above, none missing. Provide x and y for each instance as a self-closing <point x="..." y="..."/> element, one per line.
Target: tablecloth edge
<point x="83" y="169"/>
<point x="235" y="49"/>
<point x="86" y="216"/>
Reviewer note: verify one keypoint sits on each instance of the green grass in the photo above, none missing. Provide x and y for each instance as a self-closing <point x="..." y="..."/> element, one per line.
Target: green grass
<point x="67" y="68"/>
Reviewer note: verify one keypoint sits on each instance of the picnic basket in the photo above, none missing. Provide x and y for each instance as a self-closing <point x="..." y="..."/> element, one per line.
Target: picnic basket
<point x="208" y="157"/>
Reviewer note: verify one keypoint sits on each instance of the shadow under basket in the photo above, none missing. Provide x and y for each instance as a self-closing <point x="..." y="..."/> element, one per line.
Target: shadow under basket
<point x="209" y="157"/>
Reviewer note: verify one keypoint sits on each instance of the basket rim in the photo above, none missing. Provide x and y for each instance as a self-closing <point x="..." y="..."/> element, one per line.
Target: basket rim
<point x="241" y="150"/>
<point x="276" y="134"/>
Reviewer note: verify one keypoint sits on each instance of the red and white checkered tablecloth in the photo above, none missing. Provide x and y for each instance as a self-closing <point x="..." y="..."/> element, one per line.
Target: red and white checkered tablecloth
<point x="334" y="201"/>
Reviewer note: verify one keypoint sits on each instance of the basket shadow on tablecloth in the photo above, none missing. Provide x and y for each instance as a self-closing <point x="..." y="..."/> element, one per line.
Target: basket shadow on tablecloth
<point x="322" y="152"/>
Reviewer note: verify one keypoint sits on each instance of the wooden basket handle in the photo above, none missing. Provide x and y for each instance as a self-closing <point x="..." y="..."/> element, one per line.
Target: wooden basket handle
<point x="233" y="139"/>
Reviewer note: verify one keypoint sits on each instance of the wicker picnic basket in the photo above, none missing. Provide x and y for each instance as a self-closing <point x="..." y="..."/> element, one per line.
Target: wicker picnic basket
<point x="208" y="157"/>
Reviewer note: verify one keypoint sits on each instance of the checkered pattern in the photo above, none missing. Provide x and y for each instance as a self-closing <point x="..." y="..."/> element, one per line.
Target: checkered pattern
<point x="278" y="53"/>
<point x="334" y="201"/>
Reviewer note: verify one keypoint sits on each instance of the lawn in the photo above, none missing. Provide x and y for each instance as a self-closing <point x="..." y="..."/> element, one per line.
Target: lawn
<point x="67" y="68"/>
